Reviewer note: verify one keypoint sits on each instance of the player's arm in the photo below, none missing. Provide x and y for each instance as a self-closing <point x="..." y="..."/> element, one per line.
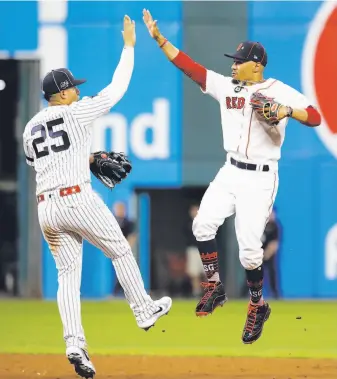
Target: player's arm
<point x="122" y="75"/>
<point x="300" y="108"/>
<point x="90" y="108"/>
<point x="308" y="116"/>
<point x="188" y="66"/>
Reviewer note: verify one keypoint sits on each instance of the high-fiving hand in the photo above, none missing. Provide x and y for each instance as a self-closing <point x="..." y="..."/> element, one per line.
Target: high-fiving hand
<point x="129" y="31"/>
<point x="151" y="24"/>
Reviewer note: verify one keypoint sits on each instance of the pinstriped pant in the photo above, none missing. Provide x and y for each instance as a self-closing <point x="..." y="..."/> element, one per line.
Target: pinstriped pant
<point x="65" y="222"/>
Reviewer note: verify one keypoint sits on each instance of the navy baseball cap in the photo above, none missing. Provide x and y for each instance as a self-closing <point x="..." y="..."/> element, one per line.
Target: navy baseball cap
<point x="250" y="51"/>
<point x="59" y="80"/>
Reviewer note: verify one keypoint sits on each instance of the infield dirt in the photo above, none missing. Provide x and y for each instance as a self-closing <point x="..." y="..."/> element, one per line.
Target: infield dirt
<point x="15" y="366"/>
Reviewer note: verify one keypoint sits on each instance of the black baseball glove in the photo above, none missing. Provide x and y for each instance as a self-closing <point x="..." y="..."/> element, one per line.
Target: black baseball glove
<point x="110" y="168"/>
<point x="266" y="108"/>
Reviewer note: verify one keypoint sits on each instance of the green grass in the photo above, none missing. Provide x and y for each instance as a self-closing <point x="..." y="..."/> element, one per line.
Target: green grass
<point x="35" y="327"/>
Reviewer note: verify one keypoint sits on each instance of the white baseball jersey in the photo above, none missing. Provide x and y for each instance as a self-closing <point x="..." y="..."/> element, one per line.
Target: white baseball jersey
<point x="244" y="135"/>
<point x="57" y="140"/>
<point x="249" y="193"/>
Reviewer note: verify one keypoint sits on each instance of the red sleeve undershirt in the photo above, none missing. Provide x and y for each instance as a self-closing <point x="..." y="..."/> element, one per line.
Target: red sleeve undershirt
<point x="192" y="69"/>
<point x="314" y="118"/>
<point x="198" y="74"/>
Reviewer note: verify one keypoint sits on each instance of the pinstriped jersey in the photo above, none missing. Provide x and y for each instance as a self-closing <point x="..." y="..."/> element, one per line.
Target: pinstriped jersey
<point x="57" y="144"/>
<point x="246" y="136"/>
<point x="57" y="140"/>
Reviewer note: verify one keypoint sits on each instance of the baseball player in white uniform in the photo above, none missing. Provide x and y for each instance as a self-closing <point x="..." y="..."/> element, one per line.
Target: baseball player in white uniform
<point x="254" y="115"/>
<point x="57" y="144"/>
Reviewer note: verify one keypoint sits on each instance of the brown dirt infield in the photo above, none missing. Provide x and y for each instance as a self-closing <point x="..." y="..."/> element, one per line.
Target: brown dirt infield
<point x="136" y="367"/>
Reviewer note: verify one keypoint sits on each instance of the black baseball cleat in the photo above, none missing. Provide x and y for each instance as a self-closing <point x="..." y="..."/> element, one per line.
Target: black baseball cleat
<point x="256" y="317"/>
<point x="214" y="296"/>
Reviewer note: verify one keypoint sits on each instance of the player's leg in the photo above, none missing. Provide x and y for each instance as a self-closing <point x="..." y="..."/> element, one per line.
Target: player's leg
<point x="96" y="224"/>
<point x="255" y="199"/>
<point x="66" y="248"/>
<point x="217" y="204"/>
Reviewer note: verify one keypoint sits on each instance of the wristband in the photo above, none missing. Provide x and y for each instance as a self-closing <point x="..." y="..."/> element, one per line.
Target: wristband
<point x="163" y="44"/>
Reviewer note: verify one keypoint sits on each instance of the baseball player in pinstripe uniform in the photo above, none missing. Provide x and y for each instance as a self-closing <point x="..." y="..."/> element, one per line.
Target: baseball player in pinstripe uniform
<point x="57" y="144"/>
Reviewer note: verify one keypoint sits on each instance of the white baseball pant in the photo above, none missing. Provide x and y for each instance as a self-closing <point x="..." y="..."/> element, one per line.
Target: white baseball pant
<point x="248" y="194"/>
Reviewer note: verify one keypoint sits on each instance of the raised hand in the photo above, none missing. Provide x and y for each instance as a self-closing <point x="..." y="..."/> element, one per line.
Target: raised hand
<point x="151" y="24"/>
<point x="129" y="31"/>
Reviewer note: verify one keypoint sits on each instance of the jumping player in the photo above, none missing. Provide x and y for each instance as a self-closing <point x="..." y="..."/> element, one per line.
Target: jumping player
<point x="254" y="115"/>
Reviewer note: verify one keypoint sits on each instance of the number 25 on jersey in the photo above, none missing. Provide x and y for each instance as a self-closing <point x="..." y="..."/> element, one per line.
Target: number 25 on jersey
<point x="51" y="134"/>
